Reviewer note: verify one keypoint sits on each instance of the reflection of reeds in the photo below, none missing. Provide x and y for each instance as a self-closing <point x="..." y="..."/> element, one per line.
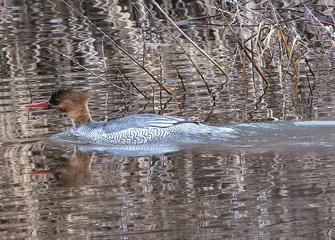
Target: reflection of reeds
<point x="89" y="70"/>
<point x="121" y="49"/>
<point x="259" y="45"/>
<point x="189" y="39"/>
<point x="185" y="52"/>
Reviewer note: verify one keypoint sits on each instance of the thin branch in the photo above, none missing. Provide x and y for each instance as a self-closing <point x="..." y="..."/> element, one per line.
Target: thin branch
<point x="180" y="77"/>
<point x="190" y="40"/>
<point x="181" y="46"/>
<point x="120" y="48"/>
<point x="25" y="78"/>
<point x="89" y="70"/>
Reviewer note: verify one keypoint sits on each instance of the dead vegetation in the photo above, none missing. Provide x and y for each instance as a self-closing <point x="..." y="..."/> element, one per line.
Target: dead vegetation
<point x="269" y="41"/>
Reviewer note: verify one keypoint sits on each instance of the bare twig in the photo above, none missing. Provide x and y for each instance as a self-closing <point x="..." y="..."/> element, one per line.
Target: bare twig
<point x="103" y="55"/>
<point x="131" y="82"/>
<point x="185" y="52"/>
<point x="25" y="78"/>
<point x="190" y="40"/>
<point x="180" y="77"/>
<point x="89" y="70"/>
<point x="242" y="46"/>
<point x="255" y="65"/>
<point x="120" y="48"/>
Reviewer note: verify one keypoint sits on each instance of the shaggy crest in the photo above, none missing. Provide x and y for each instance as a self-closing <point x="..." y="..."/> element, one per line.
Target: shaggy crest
<point x="68" y="92"/>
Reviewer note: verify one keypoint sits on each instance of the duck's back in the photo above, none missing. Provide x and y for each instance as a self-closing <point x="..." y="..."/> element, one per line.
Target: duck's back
<point x="144" y="121"/>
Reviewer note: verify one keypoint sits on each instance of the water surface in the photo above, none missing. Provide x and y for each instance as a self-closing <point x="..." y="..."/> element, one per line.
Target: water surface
<point x="273" y="181"/>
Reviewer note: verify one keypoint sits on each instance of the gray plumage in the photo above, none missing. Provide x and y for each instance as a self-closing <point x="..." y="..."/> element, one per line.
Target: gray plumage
<point x="138" y="129"/>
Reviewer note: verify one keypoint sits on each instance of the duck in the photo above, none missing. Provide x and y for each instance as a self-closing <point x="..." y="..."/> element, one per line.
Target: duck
<point x="130" y="130"/>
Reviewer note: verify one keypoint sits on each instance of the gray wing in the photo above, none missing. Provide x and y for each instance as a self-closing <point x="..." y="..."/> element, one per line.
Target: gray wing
<point x="144" y="121"/>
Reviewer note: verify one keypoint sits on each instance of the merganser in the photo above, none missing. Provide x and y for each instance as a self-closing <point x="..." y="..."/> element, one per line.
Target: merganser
<point x="131" y="130"/>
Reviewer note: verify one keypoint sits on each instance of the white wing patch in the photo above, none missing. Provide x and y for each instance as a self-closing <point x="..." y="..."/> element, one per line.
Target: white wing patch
<point x="164" y="122"/>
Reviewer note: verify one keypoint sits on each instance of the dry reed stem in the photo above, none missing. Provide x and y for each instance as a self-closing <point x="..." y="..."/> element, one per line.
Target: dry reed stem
<point x="120" y="48"/>
<point x="103" y="55"/>
<point x="241" y="44"/>
<point x="290" y="52"/>
<point x="106" y="70"/>
<point x="311" y="89"/>
<point x="26" y="80"/>
<point x="181" y="46"/>
<point x="142" y="32"/>
<point x="190" y="40"/>
<point x="164" y="106"/>
<point x="180" y="77"/>
<point x="89" y="70"/>
<point x="29" y="90"/>
<point x="131" y="82"/>
<point x="119" y="70"/>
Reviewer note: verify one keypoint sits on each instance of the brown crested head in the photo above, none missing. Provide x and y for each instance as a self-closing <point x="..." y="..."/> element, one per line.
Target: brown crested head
<point x="71" y="101"/>
<point x="68" y="99"/>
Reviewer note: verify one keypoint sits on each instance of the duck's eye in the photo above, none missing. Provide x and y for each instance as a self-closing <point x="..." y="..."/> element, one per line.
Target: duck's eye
<point x="56" y="101"/>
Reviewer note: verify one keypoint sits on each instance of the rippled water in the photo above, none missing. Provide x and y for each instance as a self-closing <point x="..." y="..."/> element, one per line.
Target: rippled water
<point x="278" y="187"/>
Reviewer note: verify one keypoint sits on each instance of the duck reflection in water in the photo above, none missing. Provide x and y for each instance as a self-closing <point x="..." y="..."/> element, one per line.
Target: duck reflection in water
<point x="77" y="173"/>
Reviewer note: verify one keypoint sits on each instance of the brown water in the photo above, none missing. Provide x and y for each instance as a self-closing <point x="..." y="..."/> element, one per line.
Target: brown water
<point x="203" y="192"/>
